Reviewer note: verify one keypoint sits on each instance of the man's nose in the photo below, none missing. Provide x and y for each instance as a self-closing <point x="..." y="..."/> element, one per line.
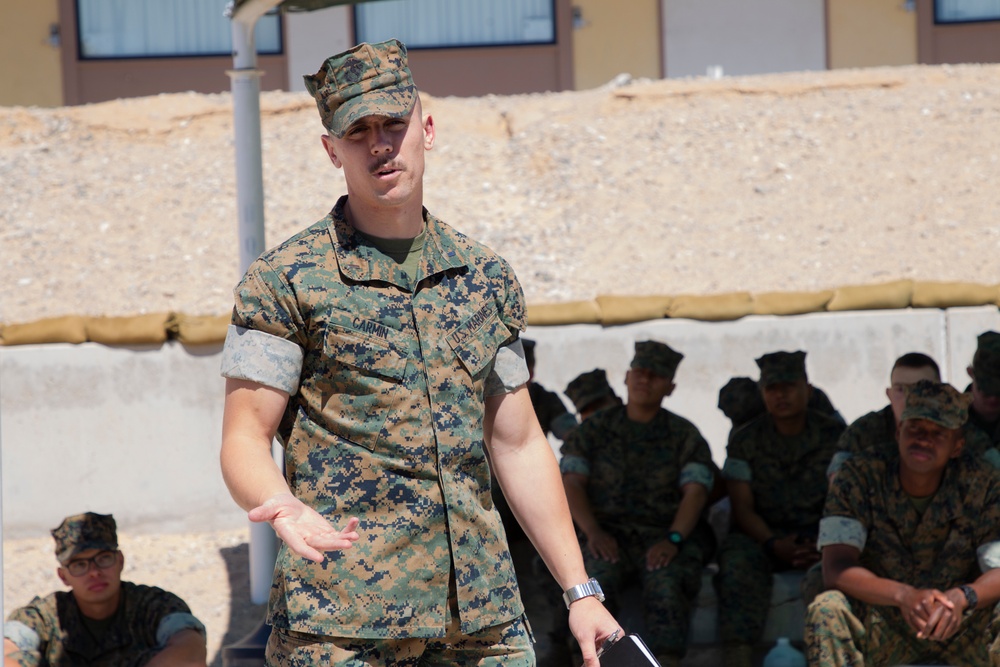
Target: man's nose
<point x="381" y="142"/>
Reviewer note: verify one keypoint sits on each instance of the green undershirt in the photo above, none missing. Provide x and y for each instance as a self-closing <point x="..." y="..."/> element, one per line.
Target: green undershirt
<point x="405" y="252"/>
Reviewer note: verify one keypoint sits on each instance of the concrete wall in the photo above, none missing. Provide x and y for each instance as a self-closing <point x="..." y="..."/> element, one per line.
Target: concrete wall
<point x="871" y="33"/>
<point x="30" y="73"/>
<point x="743" y="36"/>
<point x="136" y="431"/>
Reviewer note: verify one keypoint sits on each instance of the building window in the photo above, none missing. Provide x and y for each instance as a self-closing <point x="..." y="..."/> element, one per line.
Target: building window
<point x="966" y="11"/>
<point x="448" y="23"/>
<point x="164" y="28"/>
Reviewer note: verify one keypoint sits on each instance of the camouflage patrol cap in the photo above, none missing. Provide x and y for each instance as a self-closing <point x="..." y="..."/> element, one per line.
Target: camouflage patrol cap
<point x="656" y="357"/>
<point x="589" y="387"/>
<point x="740" y="400"/>
<point x="367" y="80"/>
<point x="84" y="531"/>
<point x="778" y="367"/>
<point x="937" y="402"/>
<point x="986" y="363"/>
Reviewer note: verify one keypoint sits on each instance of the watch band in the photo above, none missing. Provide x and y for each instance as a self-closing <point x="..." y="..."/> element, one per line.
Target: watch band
<point x="970" y="597"/>
<point x="586" y="589"/>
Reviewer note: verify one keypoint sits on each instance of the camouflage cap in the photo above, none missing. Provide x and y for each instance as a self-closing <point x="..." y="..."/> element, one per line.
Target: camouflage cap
<point x="656" y="357"/>
<point x="368" y="80"/>
<point x="986" y="363"/>
<point x="589" y="387"/>
<point x="84" y="531"/>
<point x="778" y="367"/>
<point x="937" y="402"/>
<point x="740" y="400"/>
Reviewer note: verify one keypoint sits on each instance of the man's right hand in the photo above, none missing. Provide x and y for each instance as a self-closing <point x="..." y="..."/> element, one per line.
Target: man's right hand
<point x="302" y="528"/>
<point x="800" y="553"/>
<point x="602" y="545"/>
<point x="917" y="605"/>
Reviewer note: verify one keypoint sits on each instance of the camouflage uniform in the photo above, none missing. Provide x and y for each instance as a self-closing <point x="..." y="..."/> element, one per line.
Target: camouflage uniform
<point x="986" y="370"/>
<point x="589" y="388"/>
<point x="945" y="546"/>
<point x="552" y="414"/>
<point x="387" y="376"/>
<point x="787" y="477"/>
<point x="875" y="434"/>
<point x="634" y="476"/>
<point x="52" y="631"/>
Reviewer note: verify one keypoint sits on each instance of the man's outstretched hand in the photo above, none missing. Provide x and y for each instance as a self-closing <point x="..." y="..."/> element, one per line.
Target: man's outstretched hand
<point x="302" y="528"/>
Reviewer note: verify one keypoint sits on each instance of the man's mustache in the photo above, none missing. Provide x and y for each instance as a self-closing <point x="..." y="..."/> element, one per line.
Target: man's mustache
<point x="379" y="163"/>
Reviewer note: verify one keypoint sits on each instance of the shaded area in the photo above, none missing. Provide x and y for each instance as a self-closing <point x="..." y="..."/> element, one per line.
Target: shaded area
<point x="244" y="616"/>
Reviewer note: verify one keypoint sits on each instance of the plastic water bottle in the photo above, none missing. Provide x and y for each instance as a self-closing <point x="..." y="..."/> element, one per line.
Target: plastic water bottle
<point x="784" y="655"/>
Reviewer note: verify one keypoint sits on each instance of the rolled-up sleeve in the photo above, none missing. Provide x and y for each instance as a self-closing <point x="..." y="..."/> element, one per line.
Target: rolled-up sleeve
<point x="737" y="470"/>
<point x="841" y="530"/>
<point x="510" y="370"/>
<point x="697" y="473"/>
<point x="262" y="358"/>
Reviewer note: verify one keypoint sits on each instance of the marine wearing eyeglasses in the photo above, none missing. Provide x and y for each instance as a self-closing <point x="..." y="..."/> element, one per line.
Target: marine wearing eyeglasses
<point x="101" y="620"/>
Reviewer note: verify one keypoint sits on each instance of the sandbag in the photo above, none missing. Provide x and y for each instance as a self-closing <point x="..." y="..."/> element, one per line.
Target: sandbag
<point x="929" y="294"/>
<point x="790" y="303"/>
<point x="150" y="329"/>
<point x="199" y="329"/>
<point x="884" y="296"/>
<point x="714" y="308"/>
<point x="571" y="312"/>
<point x="629" y="309"/>
<point x="64" y="329"/>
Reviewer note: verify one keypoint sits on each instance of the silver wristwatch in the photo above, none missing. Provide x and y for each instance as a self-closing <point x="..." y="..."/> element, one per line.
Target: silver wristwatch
<point x="584" y="590"/>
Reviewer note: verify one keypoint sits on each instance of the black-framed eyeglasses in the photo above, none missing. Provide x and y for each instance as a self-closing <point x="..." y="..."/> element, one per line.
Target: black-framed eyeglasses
<point x="81" y="566"/>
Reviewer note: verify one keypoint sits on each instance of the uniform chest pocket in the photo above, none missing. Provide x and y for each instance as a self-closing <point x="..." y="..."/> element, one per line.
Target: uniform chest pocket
<point x="475" y="342"/>
<point x="361" y="385"/>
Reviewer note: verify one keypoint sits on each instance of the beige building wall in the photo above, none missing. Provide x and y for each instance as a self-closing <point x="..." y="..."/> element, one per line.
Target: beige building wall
<point x="871" y="33"/>
<point x="611" y="37"/>
<point x="30" y="73"/>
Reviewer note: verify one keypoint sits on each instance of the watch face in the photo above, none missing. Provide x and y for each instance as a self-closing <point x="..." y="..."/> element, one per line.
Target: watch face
<point x="675" y="537"/>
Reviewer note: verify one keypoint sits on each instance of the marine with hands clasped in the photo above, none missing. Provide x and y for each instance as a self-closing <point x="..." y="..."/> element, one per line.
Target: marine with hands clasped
<point x="911" y="548"/>
<point x="382" y="348"/>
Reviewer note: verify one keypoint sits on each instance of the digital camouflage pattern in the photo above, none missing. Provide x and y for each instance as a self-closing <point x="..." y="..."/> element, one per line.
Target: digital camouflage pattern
<point x="946" y="546"/>
<point x="842" y="632"/>
<point x="81" y="532"/>
<point x="146" y="618"/>
<point x="504" y="645"/>
<point x="937" y="402"/>
<point x="387" y="425"/>
<point x="367" y="80"/>
<point x="787" y="477"/>
<point x="589" y="387"/>
<point x="634" y="477"/>
<point x="986" y="363"/>
<point x="656" y="357"/>
<point x="778" y="367"/>
<point x="874" y="434"/>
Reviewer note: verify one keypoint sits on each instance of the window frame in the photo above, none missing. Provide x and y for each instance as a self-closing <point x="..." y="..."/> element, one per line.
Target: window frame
<point x="82" y="57"/>
<point x="471" y="45"/>
<point x="940" y="21"/>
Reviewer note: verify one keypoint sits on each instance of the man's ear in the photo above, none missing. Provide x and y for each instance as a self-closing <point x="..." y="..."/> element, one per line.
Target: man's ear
<point x="959" y="446"/>
<point x="670" y="388"/>
<point x="888" y="393"/>
<point x="429" y="132"/>
<point x="968" y="369"/>
<point x="331" y="151"/>
<point x="62" y="575"/>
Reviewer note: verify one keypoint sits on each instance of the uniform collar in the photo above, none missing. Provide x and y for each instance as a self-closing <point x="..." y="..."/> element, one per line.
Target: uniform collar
<point x="361" y="263"/>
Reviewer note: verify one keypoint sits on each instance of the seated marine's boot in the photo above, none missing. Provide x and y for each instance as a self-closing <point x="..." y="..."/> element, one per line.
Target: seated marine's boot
<point x="738" y="655"/>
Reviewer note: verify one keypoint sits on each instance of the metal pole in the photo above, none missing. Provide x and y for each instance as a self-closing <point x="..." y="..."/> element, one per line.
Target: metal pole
<point x="245" y="81"/>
